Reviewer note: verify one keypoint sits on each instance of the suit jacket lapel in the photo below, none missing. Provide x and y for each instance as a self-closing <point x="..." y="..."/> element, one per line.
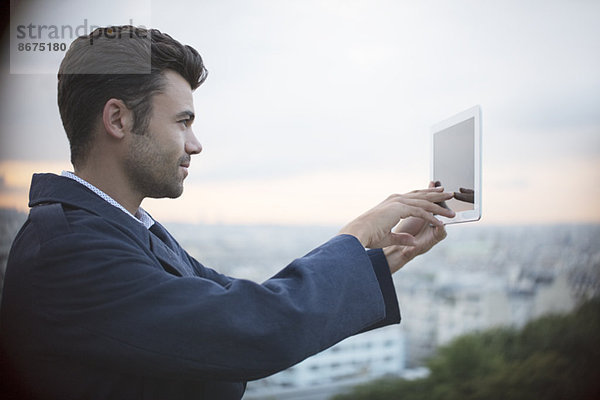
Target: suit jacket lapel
<point x="170" y="261"/>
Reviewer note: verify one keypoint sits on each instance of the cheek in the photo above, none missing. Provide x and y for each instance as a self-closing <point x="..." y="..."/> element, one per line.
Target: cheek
<point x="170" y="152"/>
<point x="172" y="142"/>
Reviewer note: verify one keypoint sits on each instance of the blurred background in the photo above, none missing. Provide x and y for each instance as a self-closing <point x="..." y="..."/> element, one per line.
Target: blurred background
<point x="316" y="110"/>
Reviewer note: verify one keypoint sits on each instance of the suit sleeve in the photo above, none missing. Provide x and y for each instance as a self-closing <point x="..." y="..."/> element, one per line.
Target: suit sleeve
<point x="98" y="295"/>
<point x="386" y="284"/>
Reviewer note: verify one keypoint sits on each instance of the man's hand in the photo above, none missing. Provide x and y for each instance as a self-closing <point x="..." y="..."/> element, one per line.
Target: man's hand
<point x="426" y="236"/>
<point x="374" y="228"/>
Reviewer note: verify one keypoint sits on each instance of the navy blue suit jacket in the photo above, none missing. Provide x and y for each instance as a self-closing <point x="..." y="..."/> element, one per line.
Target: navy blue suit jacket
<point x="96" y="306"/>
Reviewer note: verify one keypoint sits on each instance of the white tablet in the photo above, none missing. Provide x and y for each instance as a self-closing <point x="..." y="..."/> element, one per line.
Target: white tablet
<point x="456" y="163"/>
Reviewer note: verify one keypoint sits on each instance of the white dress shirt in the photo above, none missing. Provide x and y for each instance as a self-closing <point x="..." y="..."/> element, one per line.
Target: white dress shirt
<point x="140" y="216"/>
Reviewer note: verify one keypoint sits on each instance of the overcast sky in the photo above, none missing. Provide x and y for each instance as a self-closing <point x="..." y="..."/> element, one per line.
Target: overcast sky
<point x="316" y="110"/>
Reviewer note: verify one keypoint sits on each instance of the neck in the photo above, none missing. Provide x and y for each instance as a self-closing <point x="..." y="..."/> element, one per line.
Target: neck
<point x="112" y="182"/>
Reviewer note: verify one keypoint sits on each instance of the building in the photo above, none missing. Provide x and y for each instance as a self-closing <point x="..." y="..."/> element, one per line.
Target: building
<point x="357" y="359"/>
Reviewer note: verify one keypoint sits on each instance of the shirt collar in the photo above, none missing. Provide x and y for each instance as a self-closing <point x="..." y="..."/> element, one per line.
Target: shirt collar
<point x="141" y="216"/>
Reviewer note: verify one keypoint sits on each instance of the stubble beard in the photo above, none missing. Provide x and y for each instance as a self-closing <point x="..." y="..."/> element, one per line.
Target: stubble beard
<point x="153" y="173"/>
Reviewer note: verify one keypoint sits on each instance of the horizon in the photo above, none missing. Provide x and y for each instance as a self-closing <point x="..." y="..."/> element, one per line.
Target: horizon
<point x="273" y="201"/>
<point x="449" y="228"/>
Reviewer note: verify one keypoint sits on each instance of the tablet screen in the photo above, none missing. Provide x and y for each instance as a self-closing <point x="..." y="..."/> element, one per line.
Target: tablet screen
<point x="456" y="163"/>
<point x="453" y="163"/>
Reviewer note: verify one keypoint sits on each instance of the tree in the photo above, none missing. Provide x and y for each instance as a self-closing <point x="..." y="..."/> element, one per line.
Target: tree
<point x="554" y="357"/>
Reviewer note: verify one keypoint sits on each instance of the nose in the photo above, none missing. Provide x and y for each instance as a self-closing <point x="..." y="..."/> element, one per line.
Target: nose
<point x="192" y="145"/>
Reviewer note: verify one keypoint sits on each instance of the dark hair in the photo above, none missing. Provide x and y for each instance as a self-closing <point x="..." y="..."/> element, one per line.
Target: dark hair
<point x="125" y="63"/>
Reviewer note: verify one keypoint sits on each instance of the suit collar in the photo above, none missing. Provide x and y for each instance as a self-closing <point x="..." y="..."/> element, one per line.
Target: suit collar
<point x="51" y="188"/>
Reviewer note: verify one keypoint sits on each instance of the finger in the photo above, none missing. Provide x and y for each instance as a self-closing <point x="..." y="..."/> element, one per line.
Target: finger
<point x="435" y="195"/>
<point x="442" y="209"/>
<point x="438" y="197"/>
<point x="432" y="194"/>
<point x="466" y="191"/>
<point x="430" y="206"/>
<point x="420" y="212"/>
<point x="428" y="190"/>
<point x="443" y="205"/>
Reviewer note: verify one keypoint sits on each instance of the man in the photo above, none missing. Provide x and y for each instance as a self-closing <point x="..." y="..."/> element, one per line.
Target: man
<point x="100" y="302"/>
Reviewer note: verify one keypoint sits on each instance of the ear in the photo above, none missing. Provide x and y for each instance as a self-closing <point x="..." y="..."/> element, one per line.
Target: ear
<point x="117" y="118"/>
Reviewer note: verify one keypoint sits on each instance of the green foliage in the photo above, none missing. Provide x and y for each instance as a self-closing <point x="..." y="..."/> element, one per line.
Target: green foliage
<point x="554" y="357"/>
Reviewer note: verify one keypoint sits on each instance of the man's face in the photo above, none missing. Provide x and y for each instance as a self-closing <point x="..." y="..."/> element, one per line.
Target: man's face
<point x="158" y="160"/>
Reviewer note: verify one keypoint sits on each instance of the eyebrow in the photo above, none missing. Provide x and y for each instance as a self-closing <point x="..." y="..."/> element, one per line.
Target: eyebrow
<point x="186" y="113"/>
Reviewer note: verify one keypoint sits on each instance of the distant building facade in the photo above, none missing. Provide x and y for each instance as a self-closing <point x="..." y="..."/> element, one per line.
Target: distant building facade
<point x="360" y="358"/>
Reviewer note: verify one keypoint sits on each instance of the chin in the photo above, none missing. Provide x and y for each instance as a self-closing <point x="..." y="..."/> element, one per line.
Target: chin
<point x="178" y="192"/>
<point x="167" y="192"/>
<point x="175" y="193"/>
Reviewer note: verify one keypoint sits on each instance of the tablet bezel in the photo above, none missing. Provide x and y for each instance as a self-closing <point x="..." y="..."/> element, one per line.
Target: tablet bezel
<point x="475" y="113"/>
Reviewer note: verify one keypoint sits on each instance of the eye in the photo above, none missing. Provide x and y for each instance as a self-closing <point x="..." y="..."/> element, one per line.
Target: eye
<point x="186" y="122"/>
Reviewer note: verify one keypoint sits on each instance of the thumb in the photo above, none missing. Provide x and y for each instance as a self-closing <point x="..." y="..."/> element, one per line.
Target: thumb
<point x="412" y="225"/>
<point x="402" y="239"/>
<point x="439" y="233"/>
